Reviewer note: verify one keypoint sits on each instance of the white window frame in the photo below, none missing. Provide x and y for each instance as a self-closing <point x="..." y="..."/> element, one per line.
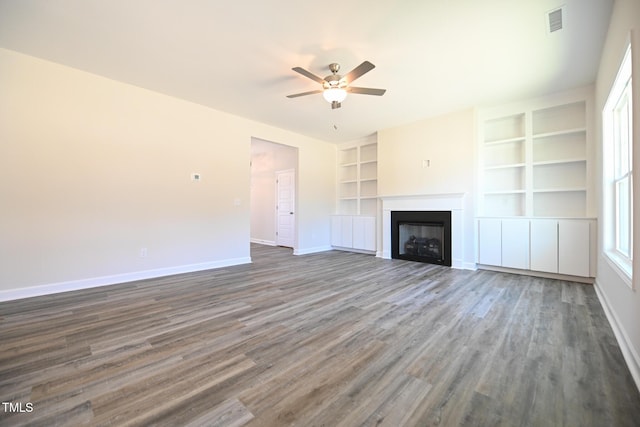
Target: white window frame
<point x="617" y="137"/>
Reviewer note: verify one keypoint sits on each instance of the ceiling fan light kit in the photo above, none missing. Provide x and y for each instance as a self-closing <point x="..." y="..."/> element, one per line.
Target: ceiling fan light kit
<point x="335" y="87"/>
<point x="332" y="95"/>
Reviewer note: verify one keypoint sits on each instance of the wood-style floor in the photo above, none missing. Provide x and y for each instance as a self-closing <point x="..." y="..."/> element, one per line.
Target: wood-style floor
<point x="330" y="339"/>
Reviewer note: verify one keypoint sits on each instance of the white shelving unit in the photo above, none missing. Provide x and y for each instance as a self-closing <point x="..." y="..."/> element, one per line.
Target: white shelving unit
<point x="535" y="185"/>
<point x="559" y="160"/>
<point x="348" y="180"/>
<point x="354" y="226"/>
<point x="358" y="179"/>
<point x="504" y="165"/>
<point x="534" y="159"/>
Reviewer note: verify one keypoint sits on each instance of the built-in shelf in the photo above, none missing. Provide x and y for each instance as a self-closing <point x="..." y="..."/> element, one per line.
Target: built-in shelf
<point x="559" y="162"/>
<point x="506" y="192"/>
<point x="560" y="133"/>
<point x="560" y="190"/>
<point x="358" y="178"/>
<point x="514" y="165"/>
<point x="354" y="226"/>
<point x="505" y="141"/>
<point x="534" y="157"/>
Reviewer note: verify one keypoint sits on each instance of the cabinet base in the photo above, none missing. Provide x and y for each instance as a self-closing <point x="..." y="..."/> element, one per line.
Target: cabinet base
<point x="360" y="251"/>
<point x="569" y="278"/>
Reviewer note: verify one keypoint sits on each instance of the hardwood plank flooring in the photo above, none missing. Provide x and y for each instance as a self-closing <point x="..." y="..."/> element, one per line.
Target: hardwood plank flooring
<point x="329" y="339"/>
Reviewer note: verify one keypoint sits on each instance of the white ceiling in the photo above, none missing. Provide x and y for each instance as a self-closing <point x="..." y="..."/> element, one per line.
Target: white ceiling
<point x="432" y="56"/>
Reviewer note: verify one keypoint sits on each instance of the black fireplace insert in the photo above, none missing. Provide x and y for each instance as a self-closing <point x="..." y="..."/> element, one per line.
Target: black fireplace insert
<point x="423" y="236"/>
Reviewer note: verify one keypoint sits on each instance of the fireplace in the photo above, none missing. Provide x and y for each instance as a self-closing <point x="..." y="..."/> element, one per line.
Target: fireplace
<point x="423" y="236"/>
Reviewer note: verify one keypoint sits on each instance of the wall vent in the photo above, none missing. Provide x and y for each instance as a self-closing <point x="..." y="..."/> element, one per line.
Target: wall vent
<point x="555" y="19"/>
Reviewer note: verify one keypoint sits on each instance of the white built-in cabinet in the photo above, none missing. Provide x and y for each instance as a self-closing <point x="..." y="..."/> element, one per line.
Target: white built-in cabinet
<point x="535" y="185"/>
<point x="560" y="246"/>
<point x="353" y="232"/>
<point x="355" y="225"/>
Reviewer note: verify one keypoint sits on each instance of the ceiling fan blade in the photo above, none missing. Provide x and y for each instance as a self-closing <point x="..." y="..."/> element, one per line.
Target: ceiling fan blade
<point x="311" y="92"/>
<point x="308" y="74"/>
<point x="365" y="67"/>
<point x="366" y="91"/>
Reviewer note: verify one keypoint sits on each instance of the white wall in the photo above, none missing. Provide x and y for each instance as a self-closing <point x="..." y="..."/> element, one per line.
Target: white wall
<point x="447" y="142"/>
<point x="621" y="302"/>
<point x="93" y="170"/>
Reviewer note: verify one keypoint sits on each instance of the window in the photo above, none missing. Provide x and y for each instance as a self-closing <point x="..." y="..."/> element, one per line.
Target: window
<point x="618" y="157"/>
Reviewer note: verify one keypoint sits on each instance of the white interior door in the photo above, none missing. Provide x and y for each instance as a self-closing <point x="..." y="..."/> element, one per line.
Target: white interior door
<point x="285" y="208"/>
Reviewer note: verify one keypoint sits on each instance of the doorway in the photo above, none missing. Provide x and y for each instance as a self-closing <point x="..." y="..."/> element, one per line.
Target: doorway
<point x="268" y="159"/>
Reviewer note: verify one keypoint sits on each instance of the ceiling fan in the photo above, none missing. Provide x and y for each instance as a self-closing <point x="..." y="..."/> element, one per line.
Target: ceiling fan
<point x="335" y="87"/>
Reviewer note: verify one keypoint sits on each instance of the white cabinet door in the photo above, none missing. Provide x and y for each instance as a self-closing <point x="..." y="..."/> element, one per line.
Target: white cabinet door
<point x="364" y="233"/>
<point x="347" y="231"/>
<point x="573" y="247"/>
<point x="544" y="245"/>
<point x="515" y="243"/>
<point x="341" y="231"/>
<point x="489" y="242"/>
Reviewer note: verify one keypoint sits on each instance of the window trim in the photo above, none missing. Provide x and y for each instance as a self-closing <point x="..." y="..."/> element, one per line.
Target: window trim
<point x="621" y="87"/>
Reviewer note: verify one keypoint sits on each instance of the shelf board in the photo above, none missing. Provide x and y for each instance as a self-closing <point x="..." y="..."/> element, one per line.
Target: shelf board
<point x="368" y="197"/>
<point x="560" y="161"/>
<point x="559" y="133"/>
<point x="349" y="181"/>
<point x="505" y="166"/>
<point x="504" y="141"/>
<point x="501" y="192"/>
<point x="349" y="198"/>
<point x="368" y="179"/>
<point x="364" y="162"/>
<point x="561" y="190"/>
<point x="346" y="165"/>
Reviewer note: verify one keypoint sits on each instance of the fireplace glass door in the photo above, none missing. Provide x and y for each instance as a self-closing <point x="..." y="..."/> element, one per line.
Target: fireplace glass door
<point x="422" y="240"/>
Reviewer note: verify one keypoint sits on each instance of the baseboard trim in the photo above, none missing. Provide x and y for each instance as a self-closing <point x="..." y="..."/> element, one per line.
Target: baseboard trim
<point x="263" y="242"/>
<point x="357" y="251"/>
<point x="628" y="352"/>
<point x="469" y="266"/>
<point x="569" y="278"/>
<point x="94" y="282"/>
<point x="313" y="250"/>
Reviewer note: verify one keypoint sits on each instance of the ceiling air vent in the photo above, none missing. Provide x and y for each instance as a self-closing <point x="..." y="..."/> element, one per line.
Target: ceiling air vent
<point x="555" y="19"/>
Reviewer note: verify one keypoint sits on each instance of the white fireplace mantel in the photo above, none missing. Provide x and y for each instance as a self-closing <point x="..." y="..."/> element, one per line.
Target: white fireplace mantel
<point x="453" y="202"/>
